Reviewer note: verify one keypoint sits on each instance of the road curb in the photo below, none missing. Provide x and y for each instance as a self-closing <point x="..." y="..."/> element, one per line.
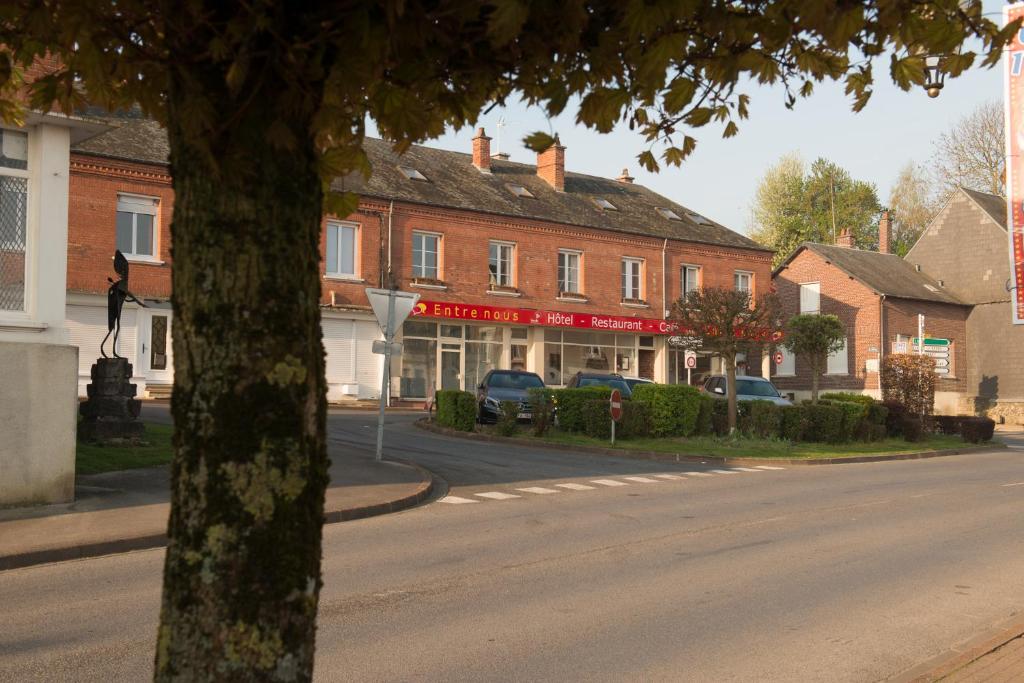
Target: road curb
<point x="150" y="541"/>
<point x="948" y="663"/>
<point x="670" y="457"/>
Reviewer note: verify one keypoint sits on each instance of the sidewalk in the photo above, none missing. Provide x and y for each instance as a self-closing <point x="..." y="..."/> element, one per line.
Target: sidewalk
<point x="992" y="657"/>
<point x="120" y="511"/>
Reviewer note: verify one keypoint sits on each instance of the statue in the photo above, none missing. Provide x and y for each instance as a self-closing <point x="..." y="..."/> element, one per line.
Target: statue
<point x="116" y="296"/>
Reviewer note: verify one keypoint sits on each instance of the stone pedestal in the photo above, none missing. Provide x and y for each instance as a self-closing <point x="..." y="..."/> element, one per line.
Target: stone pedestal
<point x="111" y="413"/>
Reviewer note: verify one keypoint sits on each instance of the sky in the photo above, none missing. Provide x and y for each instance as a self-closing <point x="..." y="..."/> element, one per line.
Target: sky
<point x="720" y="178"/>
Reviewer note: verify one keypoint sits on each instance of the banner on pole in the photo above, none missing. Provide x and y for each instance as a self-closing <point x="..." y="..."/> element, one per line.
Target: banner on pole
<point x="1013" y="95"/>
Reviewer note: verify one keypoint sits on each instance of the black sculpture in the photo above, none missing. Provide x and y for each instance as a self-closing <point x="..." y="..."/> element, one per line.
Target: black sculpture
<point x="116" y="296"/>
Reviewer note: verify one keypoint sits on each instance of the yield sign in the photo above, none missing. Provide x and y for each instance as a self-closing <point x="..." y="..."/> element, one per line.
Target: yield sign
<point x="404" y="302"/>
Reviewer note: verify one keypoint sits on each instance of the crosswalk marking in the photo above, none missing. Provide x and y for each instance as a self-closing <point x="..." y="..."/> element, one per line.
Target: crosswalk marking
<point x="539" y="490"/>
<point x="497" y="495"/>
<point x="725" y="471"/>
<point x="608" y="482"/>
<point x="576" y="487"/>
<point x="698" y="474"/>
<point x="456" y="500"/>
<point x="669" y="476"/>
<point x="745" y="469"/>
<point x="768" y="467"/>
<point x="642" y="480"/>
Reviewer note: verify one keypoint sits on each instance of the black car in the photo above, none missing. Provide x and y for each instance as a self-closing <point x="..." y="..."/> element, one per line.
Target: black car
<point x="505" y="385"/>
<point x="600" y="379"/>
<point x="634" y="381"/>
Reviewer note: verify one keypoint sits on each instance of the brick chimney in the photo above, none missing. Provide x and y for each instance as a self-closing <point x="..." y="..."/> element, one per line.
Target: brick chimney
<point x="551" y="165"/>
<point x="625" y="177"/>
<point x="884" y="233"/>
<point x="845" y="239"/>
<point x="482" y="151"/>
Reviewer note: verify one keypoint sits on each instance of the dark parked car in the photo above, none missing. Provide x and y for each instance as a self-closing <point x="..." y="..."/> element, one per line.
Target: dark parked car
<point x="634" y="381"/>
<point x="597" y="379"/>
<point x="505" y="385"/>
<point x="747" y="389"/>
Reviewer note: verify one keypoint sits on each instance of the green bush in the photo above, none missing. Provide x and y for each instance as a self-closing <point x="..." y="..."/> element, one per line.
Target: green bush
<point x="794" y="423"/>
<point x="912" y="427"/>
<point x="977" y="429"/>
<point x="571" y="403"/>
<point x="541" y="410"/>
<point x="720" y="416"/>
<point x="848" y="397"/>
<point x="765" y="420"/>
<point x="674" y="408"/>
<point x="825" y="423"/>
<point x="705" y="426"/>
<point x="508" y="419"/>
<point x="636" y="420"/>
<point x="597" y="421"/>
<point x="456" y="409"/>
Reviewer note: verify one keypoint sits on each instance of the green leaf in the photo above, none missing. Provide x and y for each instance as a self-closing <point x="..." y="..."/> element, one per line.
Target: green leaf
<point x="506" y="21"/>
<point x="538" y="141"/>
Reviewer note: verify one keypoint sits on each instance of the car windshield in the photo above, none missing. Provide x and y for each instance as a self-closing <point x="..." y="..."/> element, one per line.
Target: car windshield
<point x="503" y="380"/>
<point x="633" y="381"/>
<point x="606" y="382"/>
<point x="749" y="387"/>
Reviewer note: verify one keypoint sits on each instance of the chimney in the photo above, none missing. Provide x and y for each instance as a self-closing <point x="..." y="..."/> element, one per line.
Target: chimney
<point x="482" y="151"/>
<point x="845" y="239"/>
<point x="551" y="165"/>
<point x="884" y="233"/>
<point x="625" y="177"/>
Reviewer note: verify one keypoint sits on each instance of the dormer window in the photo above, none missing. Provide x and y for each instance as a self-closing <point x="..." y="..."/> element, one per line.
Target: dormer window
<point x="604" y="204"/>
<point x="519" y="191"/>
<point x="412" y="173"/>
<point x="668" y="213"/>
<point x="697" y="218"/>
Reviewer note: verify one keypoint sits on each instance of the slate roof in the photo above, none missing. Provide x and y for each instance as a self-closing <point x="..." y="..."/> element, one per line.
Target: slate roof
<point x="453" y="182"/>
<point x="884" y="273"/>
<point x="993" y="205"/>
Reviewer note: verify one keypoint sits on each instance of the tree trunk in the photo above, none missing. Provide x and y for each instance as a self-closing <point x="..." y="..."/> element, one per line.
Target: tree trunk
<point x="730" y="376"/>
<point x="242" y="570"/>
<point x="815" y="380"/>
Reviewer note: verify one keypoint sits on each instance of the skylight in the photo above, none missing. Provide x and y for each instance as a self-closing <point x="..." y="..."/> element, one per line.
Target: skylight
<point x="669" y="214"/>
<point x="519" y="191"/>
<point x="698" y="219"/>
<point x="604" y="204"/>
<point x="411" y="173"/>
<point x="930" y="288"/>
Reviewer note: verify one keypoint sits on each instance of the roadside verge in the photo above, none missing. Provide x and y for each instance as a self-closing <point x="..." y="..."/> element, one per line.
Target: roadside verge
<point x="980" y="658"/>
<point x="678" y="457"/>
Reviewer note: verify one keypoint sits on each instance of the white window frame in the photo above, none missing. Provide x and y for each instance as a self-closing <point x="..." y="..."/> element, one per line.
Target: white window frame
<point x="332" y="262"/>
<point x="502" y="278"/>
<point x="27" y="245"/>
<point x="837" y="359"/>
<point x="810" y="291"/>
<point x="626" y="270"/>
<point x="738" y="275"/>
<point x="697" y="272"/>
<point x="136" y="205"/>
<point x="439" y="253"/>
<point x="566" y="254"/>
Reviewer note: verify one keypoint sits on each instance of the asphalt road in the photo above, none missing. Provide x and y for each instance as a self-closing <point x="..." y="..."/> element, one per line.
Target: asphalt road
<point x="840" y="573"/>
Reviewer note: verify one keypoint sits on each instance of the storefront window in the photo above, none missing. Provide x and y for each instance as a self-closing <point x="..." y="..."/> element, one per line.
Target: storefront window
<point x="419" y="359"/>
<point x="584" y="351"/>
<point x="418" y="328"/>
<point x="553" y="364"/>
<point x="480" y="358"/>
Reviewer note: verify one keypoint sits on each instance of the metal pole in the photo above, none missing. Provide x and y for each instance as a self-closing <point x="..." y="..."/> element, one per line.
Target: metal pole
<point x="689" y="378"/>
<point x="920" y="334"/>
<point x="389" y="334"/>
<point x="613" y="432"/>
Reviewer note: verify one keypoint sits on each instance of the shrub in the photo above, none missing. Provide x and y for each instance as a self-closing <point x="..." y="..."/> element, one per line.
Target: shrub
<point x="456" y="409"/>
<point x="765" y="419"/>
<point x="848" y="397"/>
<point x="911" y="427"/>
<point x="977" y="429"/>
<point x="909" y="380"/>
<point x="636" y="420"/>
<point x="794" y="423"/>
<point x="895" y="413"/>
<point x="508" y="419"/>
<point x="948" y="424"/>
<point x="705" y="426"/>
<point x="855" y="420"/>
<point x="571" y="403"/>
<point x="674" y="408"/>
<point x="825" y="423"/>
<point x="597" y="422"/>
<point x="720" y="417"/>
<point x="541" y="410"/>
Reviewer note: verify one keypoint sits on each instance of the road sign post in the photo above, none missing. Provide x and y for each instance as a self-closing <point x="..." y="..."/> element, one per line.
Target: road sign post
<point x="615" y="410"/>
<point x="391" y="307"/>
<point x="690" y="360"/>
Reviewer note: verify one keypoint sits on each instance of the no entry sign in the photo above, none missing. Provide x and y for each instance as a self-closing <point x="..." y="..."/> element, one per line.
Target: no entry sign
<point x="615" y="405"/>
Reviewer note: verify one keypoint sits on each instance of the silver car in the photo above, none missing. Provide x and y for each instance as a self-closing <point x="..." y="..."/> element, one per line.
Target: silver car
<point x="747" y="389"/>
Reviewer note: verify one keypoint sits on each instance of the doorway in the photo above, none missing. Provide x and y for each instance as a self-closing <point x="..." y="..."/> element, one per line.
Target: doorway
<point x="154" y="358"/>
<point x="451" y="366"/>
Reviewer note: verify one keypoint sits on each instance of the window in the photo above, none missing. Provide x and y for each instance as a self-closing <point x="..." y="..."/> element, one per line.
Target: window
<point x="412" y="173"/>
<point x="604" y="204"/>
<point x="519" y="191"/>
<point x="691" y="279"/>
<point x="426" y="255"/>
<point x="810" y="297"/>
<point x="341" y="249"/>
<point x="136" y="225"/>
<point x="697" y="218"/>
<point x="668" y="213"/>
<point x="632" y="279"/>
<point x="838" y="363"/>
<point x="501" y="263"/>
<point x="742" y="281"/>
<point x="569" y="272"/>
<point x="787" y="367"/>
<point x="13" y="218"/>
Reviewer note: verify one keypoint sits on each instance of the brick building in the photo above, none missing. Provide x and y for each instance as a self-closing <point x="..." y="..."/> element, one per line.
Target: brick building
<point x="518" y="265"/>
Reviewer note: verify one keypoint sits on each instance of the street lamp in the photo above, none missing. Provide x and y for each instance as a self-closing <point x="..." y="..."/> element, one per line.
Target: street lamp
<point x="933" y="75"/>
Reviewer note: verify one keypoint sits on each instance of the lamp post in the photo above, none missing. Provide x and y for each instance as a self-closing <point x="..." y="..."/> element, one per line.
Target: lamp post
<point x="933" y="75"/>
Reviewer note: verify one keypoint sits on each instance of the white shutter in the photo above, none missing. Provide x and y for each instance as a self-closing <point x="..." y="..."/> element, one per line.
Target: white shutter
<point x="369" y="365"/>
<point x="838" y="362"/>
<point x="787" y="367"/>
<point x="339" y="345"/>
<point x="87" y="326"/>
<point x="810" y="297"/>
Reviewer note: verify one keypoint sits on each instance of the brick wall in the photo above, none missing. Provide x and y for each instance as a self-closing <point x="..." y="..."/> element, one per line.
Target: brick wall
<point x="947" y="321"/>
<point x="855" y="305"/>
<point x="92" y="224"/>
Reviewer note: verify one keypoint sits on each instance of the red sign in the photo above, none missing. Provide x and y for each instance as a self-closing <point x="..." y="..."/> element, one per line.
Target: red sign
<point x="530" y="316"/>
<point x="615" y="405"/>
<point x="1014" y="103"/>
<point x="778" y="357"/>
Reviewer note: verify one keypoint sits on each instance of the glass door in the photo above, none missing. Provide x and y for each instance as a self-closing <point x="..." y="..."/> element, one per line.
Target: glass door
<point x="451" y="366"/>
<point x="154" y="359"/>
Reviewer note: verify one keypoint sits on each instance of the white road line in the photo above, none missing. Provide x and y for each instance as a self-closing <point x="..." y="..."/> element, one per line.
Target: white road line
<point x="669" y="476"/>
<point x="746" y="469"/>
<point x="497" y="495"/>
<point x="642" y="480"/>
<point x="575" y="487"/>
<point x="539" y="490"/>
<point x="456" y="500"/>
<point x="767" y="467"/>
<point x="725" y="471"/>
<point x="698" y="474"/>
<point x="1019" y="483"/>
<point x="608" y="482"/>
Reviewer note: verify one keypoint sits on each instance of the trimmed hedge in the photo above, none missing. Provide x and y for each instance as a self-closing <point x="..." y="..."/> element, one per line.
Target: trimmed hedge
<point x="571" y="405"/>
<point x="541" y="410"/>
<point x="508" y="421"/>
<point x="674" y="408"/>
<point x="972" y="429"/>
<point x="597" y="421"/>
<point x="705" y="425"/>
<point x="825" y="423"/>
<point x="765" y="419"/>
<point x="636" y="420"/>
<point x="848" y="397"/>
<point x="794" y="423"/>
<point x="456" y="409"/>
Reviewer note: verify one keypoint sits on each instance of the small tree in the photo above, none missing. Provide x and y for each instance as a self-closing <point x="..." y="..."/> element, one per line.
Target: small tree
<point x="812" y="338"/>
<point x="727" y="322"/>
<point x="909" y="380"/>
